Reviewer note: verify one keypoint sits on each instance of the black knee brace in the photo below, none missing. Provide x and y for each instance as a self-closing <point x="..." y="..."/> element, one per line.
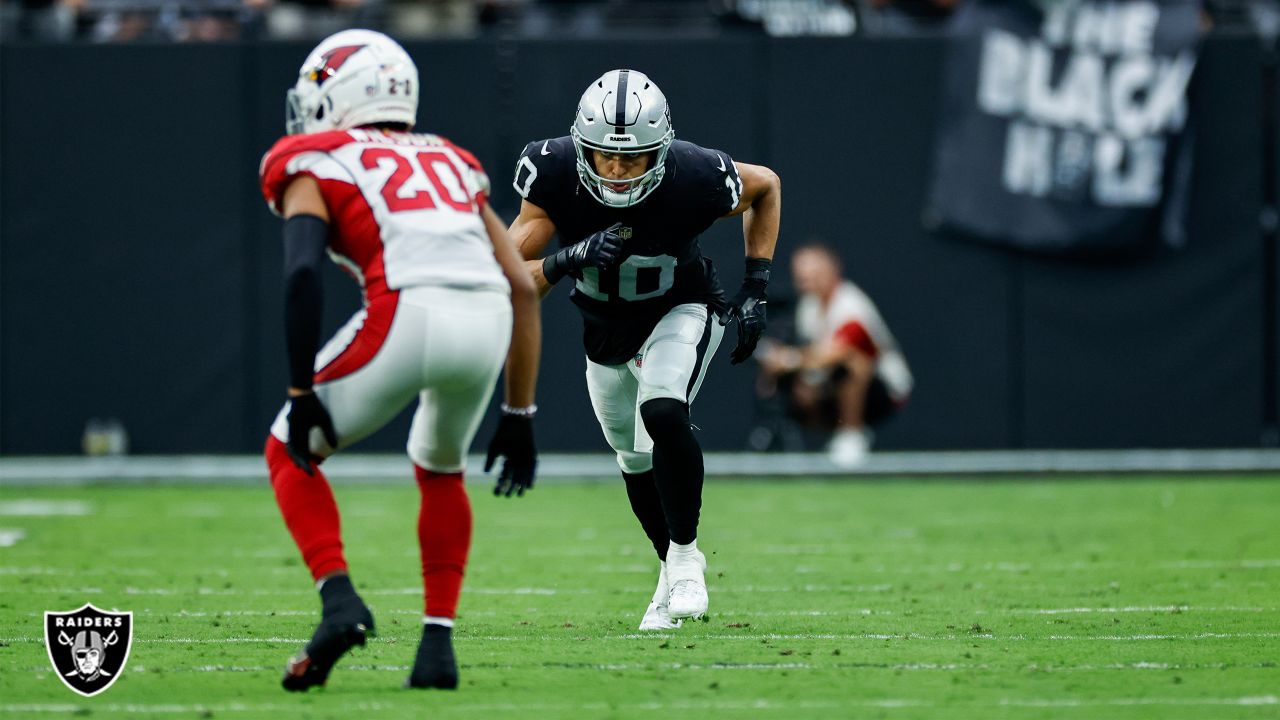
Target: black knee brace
<point x="663" y="417"/>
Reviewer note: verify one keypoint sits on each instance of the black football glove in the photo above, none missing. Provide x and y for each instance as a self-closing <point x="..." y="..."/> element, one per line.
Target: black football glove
<point x="748" y="308"/>
<point x="599" y="250"/>
<point x="306" y="412"/>
<point x="513" y="440"/>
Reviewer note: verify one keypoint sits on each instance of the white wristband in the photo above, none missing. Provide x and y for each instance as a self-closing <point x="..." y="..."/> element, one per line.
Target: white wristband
<point x="520" y="412"/>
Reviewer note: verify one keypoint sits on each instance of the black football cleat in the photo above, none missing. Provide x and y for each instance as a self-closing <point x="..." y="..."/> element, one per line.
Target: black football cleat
<point x="435" y="666"/>
<point x="342" y="627"/>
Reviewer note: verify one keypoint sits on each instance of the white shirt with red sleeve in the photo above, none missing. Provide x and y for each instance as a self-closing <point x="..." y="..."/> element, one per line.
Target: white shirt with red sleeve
<point x="405" y="208"/>
<point x="851" y="319"/>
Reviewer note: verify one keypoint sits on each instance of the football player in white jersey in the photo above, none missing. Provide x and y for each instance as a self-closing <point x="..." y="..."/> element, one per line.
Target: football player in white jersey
<point x="446" y="301"/>
<point x="629" y="202"/>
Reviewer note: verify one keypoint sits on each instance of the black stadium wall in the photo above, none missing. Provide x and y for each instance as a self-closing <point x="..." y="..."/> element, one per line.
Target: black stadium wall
<point x="140" y="270"/>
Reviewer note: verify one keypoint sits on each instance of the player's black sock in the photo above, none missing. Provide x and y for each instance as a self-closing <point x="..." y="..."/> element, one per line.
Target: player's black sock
<point x="335" y="593"/>
<point x="677" y="466"/>
<point x="435" y="666"/>
<point x="647" y="505"/>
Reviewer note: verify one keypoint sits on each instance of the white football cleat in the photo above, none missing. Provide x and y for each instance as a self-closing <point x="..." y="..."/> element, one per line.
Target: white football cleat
<point x="849" y="448"/>
<point x="657" y="617"/>
<point x="688" y="596"/>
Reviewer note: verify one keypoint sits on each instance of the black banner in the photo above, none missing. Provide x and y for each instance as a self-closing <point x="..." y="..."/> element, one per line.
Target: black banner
<point x="1064" y="125"/>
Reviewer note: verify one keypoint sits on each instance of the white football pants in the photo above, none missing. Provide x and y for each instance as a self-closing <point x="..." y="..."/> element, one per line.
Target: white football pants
<point x="671" y="364"/>
<point x="446" y="346"/>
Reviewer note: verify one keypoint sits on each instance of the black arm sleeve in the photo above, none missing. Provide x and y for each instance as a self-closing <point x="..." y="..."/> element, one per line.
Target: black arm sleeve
<point x="305" y="239"/>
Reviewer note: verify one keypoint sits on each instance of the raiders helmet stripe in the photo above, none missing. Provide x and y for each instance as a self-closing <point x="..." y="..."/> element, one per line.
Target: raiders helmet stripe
<point x="620" y="111"/>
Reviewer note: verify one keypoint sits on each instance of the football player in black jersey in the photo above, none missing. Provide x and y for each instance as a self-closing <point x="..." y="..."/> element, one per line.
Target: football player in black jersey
<point x="629" y="201"/>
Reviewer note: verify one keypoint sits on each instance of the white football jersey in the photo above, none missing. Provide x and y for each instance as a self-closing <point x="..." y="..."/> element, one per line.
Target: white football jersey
<point x="405" y="208"/>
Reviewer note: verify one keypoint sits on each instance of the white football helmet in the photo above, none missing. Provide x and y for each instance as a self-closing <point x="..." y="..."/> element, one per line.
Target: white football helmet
<point x="622" y="112"/>
<point x="353" y="78"/>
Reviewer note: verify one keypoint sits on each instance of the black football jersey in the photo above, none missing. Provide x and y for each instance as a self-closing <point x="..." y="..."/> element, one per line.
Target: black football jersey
<point x="661" y="265"/>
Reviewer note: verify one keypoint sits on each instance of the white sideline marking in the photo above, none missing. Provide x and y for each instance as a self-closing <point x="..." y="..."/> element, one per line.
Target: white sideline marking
<point x="11" y="536"/>
<point x="43" y="508"/>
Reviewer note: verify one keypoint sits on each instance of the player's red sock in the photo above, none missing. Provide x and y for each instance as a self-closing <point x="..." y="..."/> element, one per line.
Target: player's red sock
<point x="306" y="501"/>
<point x="444" y="534"/>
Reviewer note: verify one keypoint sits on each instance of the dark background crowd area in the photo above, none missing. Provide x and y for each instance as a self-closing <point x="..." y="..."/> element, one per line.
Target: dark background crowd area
<point x="106" y="21"/>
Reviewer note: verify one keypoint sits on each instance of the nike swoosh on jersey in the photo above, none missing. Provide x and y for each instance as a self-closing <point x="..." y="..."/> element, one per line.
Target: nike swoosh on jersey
<point x="721" y="159"/>
<point x="545" y="151"/>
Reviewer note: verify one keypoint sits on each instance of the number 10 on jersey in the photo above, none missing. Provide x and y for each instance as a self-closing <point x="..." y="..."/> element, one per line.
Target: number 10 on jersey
<point x="657" y="274"/>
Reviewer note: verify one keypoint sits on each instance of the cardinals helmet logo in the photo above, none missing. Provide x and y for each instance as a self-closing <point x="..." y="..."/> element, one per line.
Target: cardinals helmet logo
<point x="333" y="60"/>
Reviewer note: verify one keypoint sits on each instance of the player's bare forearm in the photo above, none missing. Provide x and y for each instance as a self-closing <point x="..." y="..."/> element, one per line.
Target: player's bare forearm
<point x="761" y="209"/>
<point x="532" y="232"/>
<point x="539" y="279"/>
<point x="526" y="349"/>
<point x="526" y="333"/>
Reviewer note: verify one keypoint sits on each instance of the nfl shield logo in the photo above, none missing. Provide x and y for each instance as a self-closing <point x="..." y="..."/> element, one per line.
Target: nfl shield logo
<point x="88" y="647"/>
<point x="624" y="232"/>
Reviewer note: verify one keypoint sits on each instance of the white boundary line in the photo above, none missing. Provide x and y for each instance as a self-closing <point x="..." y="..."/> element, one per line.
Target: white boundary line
<point x="554" y="467"/>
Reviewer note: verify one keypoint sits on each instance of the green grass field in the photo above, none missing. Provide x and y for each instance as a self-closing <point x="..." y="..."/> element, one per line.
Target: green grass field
<point x="1075" y="598"/>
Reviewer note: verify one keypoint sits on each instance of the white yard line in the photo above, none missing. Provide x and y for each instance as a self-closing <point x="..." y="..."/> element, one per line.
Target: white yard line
<point x="688" y="705"/>
<point x="305" y="590"/>
<point x="559" y="467"/>
<point x="43" y="508"/>
<point x="556" y="665"/>
<point x="754" y="637"/>
<point x="1131" y="609"/>
<point x="834" y="550"/>
<point x="1066" y="703"/>
<point x="821" y="666"/>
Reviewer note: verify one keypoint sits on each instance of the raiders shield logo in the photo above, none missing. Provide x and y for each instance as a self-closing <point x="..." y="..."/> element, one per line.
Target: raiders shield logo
<point x="88" y="647"/>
